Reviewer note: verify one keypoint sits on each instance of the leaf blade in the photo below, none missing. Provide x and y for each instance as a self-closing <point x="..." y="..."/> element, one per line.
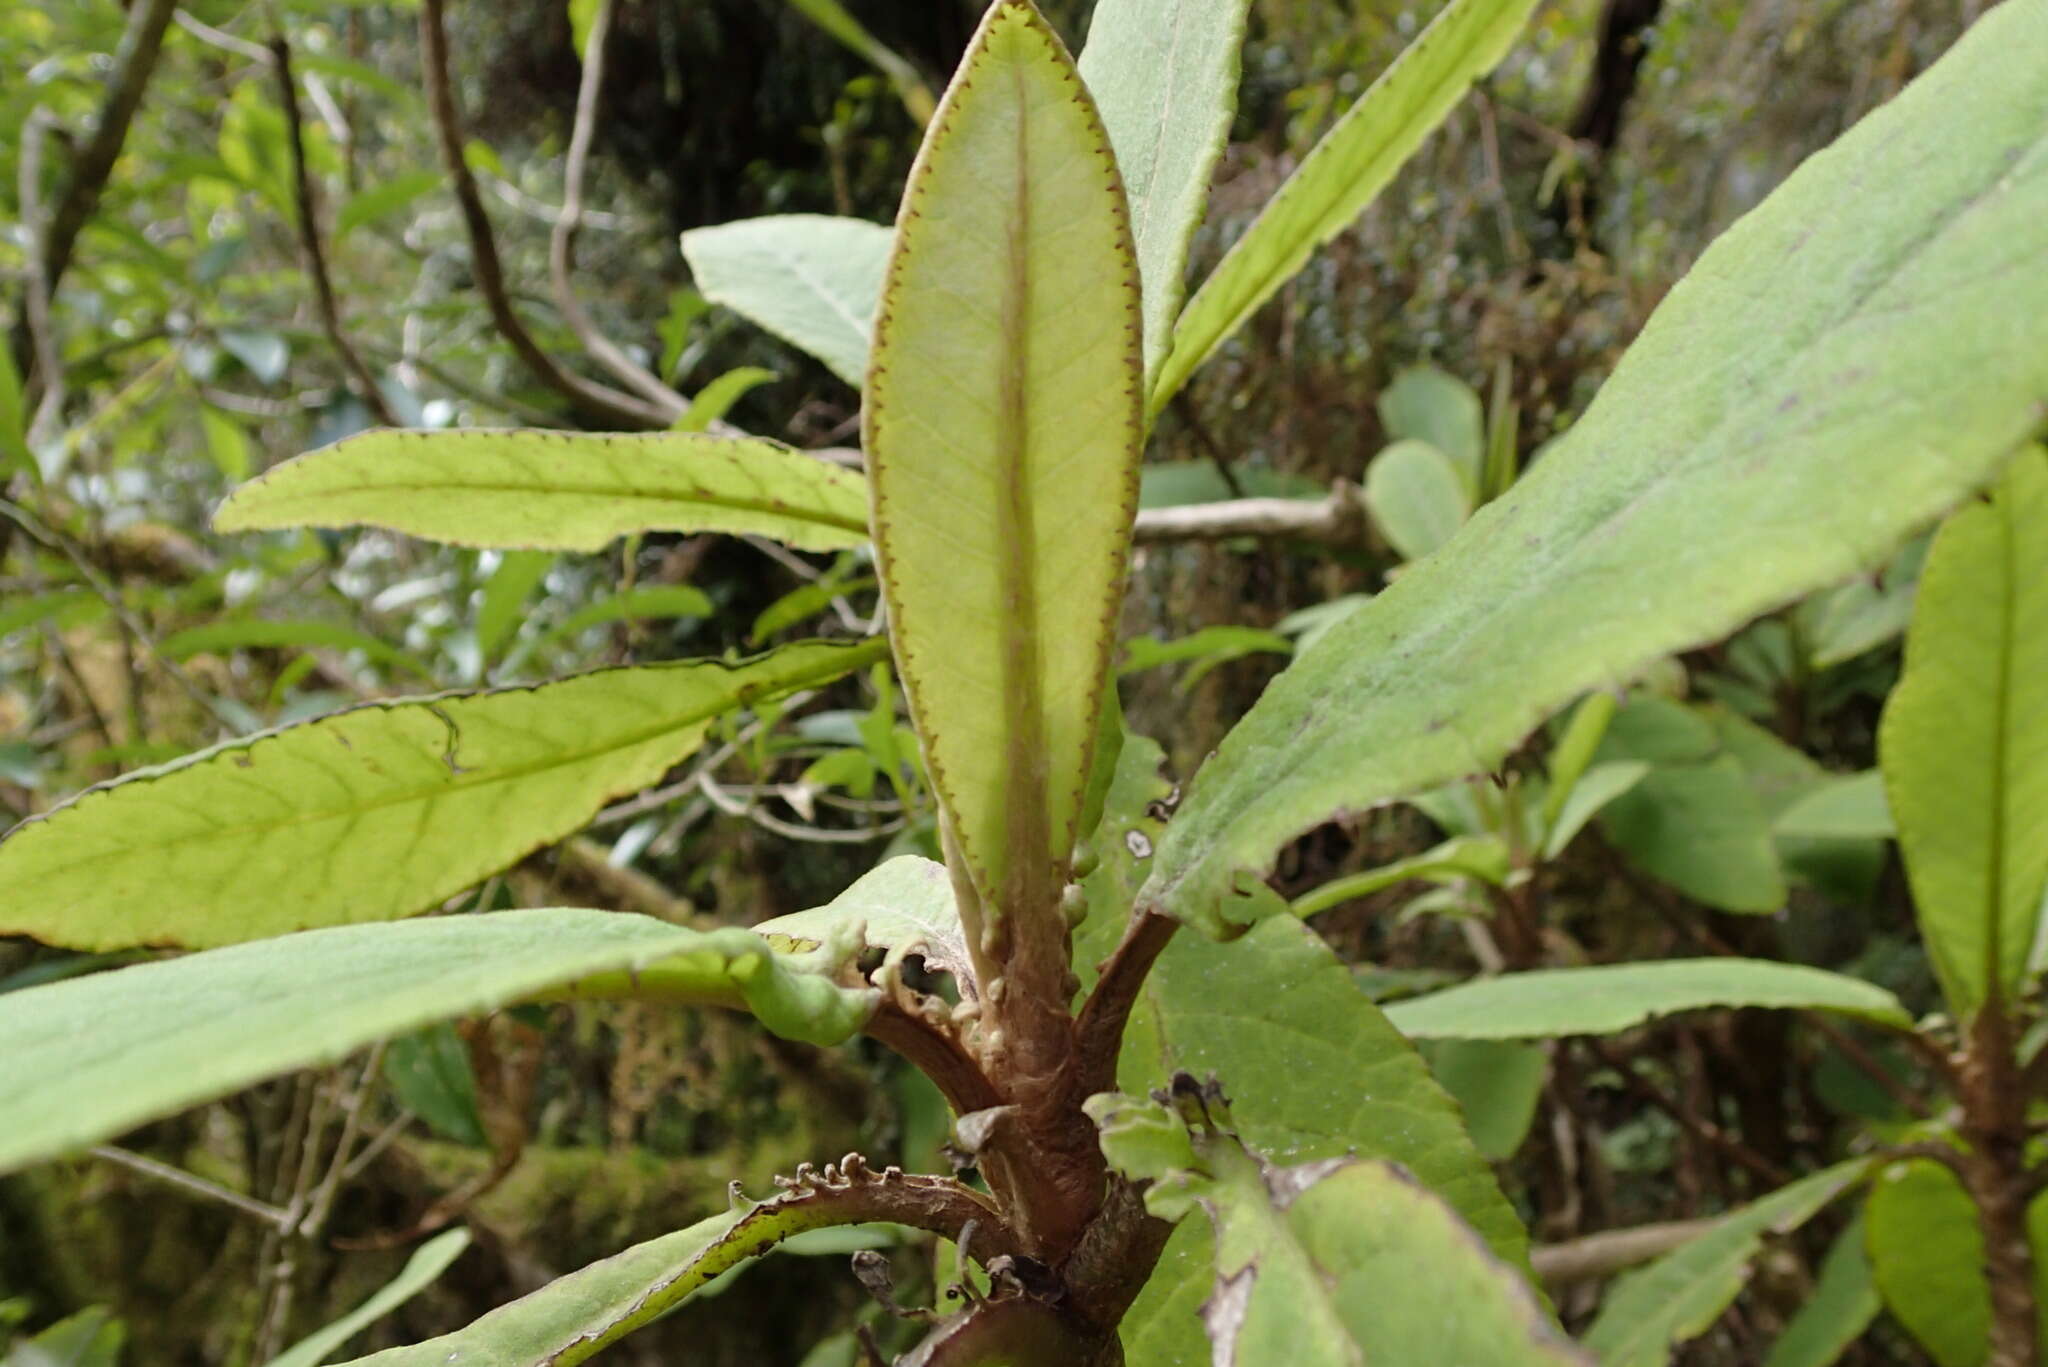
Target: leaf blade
<point x="1164" y="74"/>
<point x="1341" y="175"/>
<point x="1934" y="314"/>
<point x="93" y="1056"/>
<point x="810" y="279"/>
<point x="1002" y="428"/>
<point x="1612" y="998"/>
<point x="402" y="804"/>
<point x="1963" y="743"/>
<point x="518" y="489"/>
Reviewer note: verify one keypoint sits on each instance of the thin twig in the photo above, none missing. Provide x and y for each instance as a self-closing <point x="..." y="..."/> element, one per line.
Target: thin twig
<point x="562" y="242"/>
<point x="42" y="334"/>
<point x="220" y="38"/>
<point x="134" y="61"/>
<point x="1614" y="1250"/>
<point x="185" y="1181"/>
<point x="1334" y="520"/>
<point x="816" y="835"/>
<point x="601" y="402"/>
<point x="360" y="379"/>
<point x="1706" y="1131"/>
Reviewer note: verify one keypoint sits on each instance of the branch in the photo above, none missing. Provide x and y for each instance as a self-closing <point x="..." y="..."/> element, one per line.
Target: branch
<point x="1336" y="520"/>
<point x="562" y="243"/>
<point x="1099" y="1033"/>
<point x="360" y="379"/>
<point x="35" y="315"/>
<point x="597" y="401"/>
<point x="134" y="60"/>
<point x="1611" y="1251"/>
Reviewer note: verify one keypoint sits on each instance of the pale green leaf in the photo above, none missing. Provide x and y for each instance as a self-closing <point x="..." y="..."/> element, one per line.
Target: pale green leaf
<point x="1177" y="483"/>
<point x="1332" y="1263"/>
<point x="1002" y="428"/>
<point x="810" y="279"/>
<point x="89" y="1058"/>
<point x="226" y="442"/>
<point x="1679" y="1296"/>
<point x="1428" y="404"/>
<point x="1964" y="740"/>
<point x="248" y="634"/>
<point x="1597" y="787"/>
<point x="377" y="812"/>
<point x="1484" y="857"/>
<point x="535" y="490"/>
<point x="1577" y="742"/>
<point x="421" y="1270"/>
<point x="502" y="605"/>
<point x="384" y="198"/>
<point x="1903" y="355"/>
<point x="1496" y="1084"/>
<point x="716" y="399"/>
<point x="1164" y="74"/>
<point x="1844" y="807"/>
<point x="1611" y="998"/>
<point x="429" y="1074"/>
<point x="1417" y="497"/>
<point x="648" y="602"/>
<point x="1696" y="819"/>
<point x="1341" y="175"/>
<point x="1843" y="1303"/>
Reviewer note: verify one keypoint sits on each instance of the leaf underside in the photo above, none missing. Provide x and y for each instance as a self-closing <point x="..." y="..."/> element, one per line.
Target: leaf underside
<point x="811" y="280"/>
<point x="91" y="1057"/>
<point x="521" y="489"/>
<point x="1002" y="431"/>
<point x="378" y="812"/>
<point x="1164" y="73"/>
<point x="1904" y="355"/>
<point x="1610" y="999"/>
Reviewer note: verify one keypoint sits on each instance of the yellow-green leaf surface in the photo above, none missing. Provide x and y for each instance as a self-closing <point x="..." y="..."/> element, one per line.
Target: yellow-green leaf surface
<point x="1342" y="174"/>
<point x="1002" y="431"/>
<point x="574" y="1318"/>
<point x="1964" y="741"/>
<point x="1611" y="998"/>
<point x="1903" y="355"/>
<point x="1679" y="1296"/>
<point x="810" y="279"/>
<point x="88" y="1058"/>
<point x="374" y="813"/>
<point x="559" y="491"/>
<point x="1333" y="1263"/>
<point x="1164" y="74"/>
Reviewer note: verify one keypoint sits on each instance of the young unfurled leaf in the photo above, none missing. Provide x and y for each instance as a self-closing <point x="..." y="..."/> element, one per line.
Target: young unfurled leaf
<point x="1341" y="175"/>
<point x="426" y="1264"/>
<point x="1679" y="1296"/>
<point x="1609" y="999"/>
<point x="902" y="905"/>
<point x="1164" y="73"/>
<point x="809" y="279"/>
<point x="1903" y="355"/>
<point x="1002" y="431"/>
<point x="89" y="1058"/>
<point x="378" y="812"/>
<point x="1964" y="741"/>
<point x="533" y="490"/>
<point x="1328" y="1263"/>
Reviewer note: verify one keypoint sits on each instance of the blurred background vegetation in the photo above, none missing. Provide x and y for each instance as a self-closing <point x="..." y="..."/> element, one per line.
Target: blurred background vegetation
<point x="168" y="175"/>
